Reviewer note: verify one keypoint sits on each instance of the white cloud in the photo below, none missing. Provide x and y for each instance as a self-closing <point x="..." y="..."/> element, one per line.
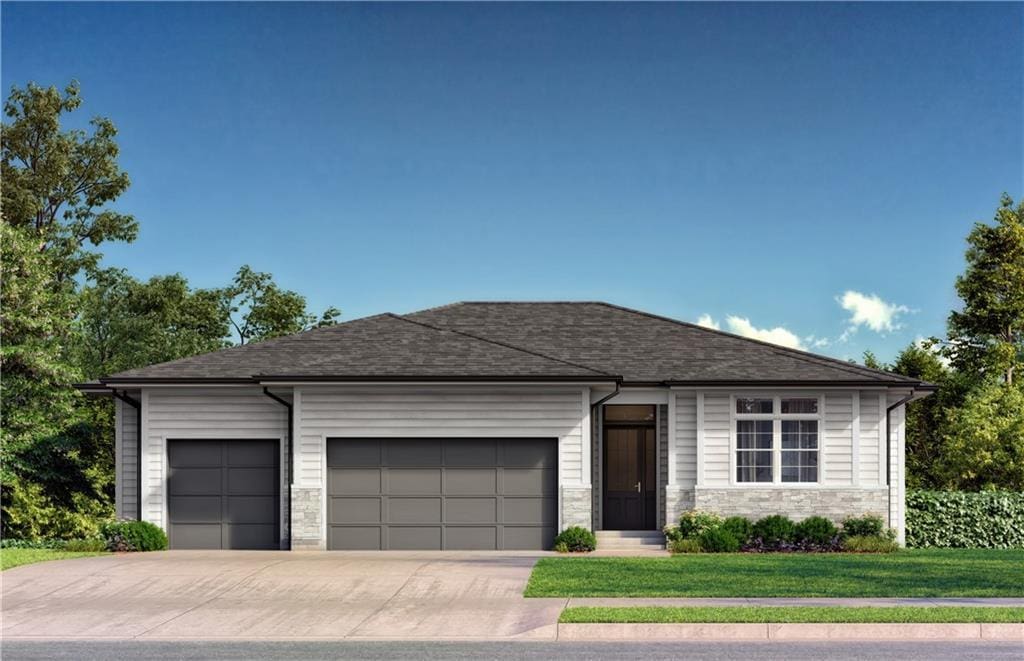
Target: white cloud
<point x="817" y="342"/>
<point x="706" y="321"/>
<point x="871" y="311"/>
<point x="742" y="326"/>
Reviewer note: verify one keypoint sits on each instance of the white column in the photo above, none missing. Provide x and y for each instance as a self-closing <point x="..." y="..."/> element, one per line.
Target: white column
<point x="587" y="449"/>
<point x="855" y="440"/>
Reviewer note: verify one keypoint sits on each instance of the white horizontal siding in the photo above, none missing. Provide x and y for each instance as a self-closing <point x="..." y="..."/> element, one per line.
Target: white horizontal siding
<point x="227" y="413"/>
<point x="717" y="432"/>
<point x="871" y="449"/>
<point x="126" y="486"/>
<point x="526" y="412"/>
<point x="838" y="439"/>
<point x="686" y="439"/>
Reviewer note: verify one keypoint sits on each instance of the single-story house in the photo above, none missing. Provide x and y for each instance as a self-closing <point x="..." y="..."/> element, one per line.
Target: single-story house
<point x="494" y="426"/>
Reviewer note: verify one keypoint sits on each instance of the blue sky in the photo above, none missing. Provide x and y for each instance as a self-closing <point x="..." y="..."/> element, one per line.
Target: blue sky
<point x="807" y="170"/>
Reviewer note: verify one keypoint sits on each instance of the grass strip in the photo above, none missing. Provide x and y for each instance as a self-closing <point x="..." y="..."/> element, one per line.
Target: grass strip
<point x="10" y="558"/>
<point x="792" y="614"/>
<point x="907" y="573"/>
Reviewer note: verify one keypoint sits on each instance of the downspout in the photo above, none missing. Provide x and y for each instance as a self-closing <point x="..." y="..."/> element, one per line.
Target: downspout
<point x="593" y="407"/>
<point x="888" y="449"/>
<point x="291" y="454"/>
<point x="137" y="405"/>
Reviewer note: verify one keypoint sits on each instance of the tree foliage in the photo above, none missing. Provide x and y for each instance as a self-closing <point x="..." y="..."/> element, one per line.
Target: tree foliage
<point x="987" y="335"/>
<point x="57" y="183"/>
<point x="124" y="323"/>
<point x="261" y="310"/>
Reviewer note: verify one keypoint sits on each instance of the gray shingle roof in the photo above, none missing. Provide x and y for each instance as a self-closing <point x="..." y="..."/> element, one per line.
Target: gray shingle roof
<point x="570" y="341"/>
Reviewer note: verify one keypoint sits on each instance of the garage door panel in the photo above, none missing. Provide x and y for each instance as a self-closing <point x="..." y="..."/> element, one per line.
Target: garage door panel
<point x="250" y="509"/>
<point x="419" y="481"/>
<point x="418" y="452"/>
<point x="197" y="536"/>
<point x="353" y="480"/>
<point x="414" y="510"/>
<point x="470" y="452"/>
<point x="197" y="509"/>
<point x="221" y="493"/>
<point x="194" y="482"/>
<point x="526" y="538"/>
<point x="183" y="454"/>
<point x="470" y="481"/>
<point x="355" y="538"/>
<point x="439" y="493"/>
<point x="252" y="481"/>
<point x="355" y="510"/>
<point x="253" y="453"/>
<point x="250" y="536"/>
<point x="528" y="481"/>
<point x="529" y="509"/>
<point x="414" y="538"/>
<point x="471" y="510"/>
<point x="530" y="453"/>
<point x="471" y="538"/>
<point x="354" y="452"/>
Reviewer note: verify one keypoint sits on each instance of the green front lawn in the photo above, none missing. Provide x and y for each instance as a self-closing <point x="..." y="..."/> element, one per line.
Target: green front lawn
<point x="909" y="573"/>
<point x="16" y="557"/>
<point x="785" y="614"/>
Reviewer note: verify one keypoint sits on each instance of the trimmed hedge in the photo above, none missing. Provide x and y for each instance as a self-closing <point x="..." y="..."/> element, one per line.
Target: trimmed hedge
<point x="961" y="519"/>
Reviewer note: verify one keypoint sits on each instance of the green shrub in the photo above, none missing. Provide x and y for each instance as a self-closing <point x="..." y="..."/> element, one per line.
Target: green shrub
<point x="684" y="546"/>
<point x="774" y="530"/>
<point x="693" y="522"/>
<point x="134" y="536"/>
<point x="869" y="544"/>
<point x="575" y="540"/>
<point x="962" y="519"/>
<point x="868" y="525"/>
<point x="815" y="530"/>
<point x="717" y="540"/>
<point x="672" y="533"/>
<point x="86" y="545"/>
<point x="739" y="527"/>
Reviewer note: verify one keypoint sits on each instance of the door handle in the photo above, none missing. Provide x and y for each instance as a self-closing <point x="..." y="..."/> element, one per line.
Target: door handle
<point x="638" y="487"/>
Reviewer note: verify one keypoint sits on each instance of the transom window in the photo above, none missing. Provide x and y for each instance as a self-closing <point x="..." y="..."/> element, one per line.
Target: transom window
<point x="776" y="439"/>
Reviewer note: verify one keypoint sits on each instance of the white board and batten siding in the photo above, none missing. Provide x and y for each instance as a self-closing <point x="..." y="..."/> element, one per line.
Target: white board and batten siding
<point x="437" y="411"/>
<point x="204" y="413"/>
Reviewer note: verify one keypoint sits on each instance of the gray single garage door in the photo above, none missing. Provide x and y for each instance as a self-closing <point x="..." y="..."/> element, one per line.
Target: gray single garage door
<point x="430" y="493"/>
<point x="223" y="494"/>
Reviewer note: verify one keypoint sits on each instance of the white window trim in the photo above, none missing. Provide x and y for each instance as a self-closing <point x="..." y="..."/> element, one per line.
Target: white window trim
<point x="776" y="416"/>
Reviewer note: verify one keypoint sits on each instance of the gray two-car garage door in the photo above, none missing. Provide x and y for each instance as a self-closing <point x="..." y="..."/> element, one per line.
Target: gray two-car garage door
<point x="431" y="493"/>
<point x="223" y="494"/>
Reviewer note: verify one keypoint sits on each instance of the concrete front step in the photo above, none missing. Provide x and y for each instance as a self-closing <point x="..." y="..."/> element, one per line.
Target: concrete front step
<point x="630" y="539"/>
<point x="630" y="533"/>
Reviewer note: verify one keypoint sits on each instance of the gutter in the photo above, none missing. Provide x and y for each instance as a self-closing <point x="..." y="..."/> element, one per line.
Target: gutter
<point x="131" y="401"/>
<point x="291" y="453"/>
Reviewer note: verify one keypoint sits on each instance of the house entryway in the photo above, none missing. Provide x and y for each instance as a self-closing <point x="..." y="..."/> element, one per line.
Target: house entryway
<point x="629" y="494"/>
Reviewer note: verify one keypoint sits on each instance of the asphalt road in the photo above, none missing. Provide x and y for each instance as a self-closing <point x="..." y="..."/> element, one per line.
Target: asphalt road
<point x="425" y="651"/>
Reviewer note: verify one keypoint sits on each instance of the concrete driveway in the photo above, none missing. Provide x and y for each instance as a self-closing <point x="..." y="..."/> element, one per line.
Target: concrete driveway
<point x="278" y="595"/>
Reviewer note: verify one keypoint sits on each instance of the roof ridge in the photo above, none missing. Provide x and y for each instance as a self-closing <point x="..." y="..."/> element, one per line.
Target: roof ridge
<point x="503" y="344"/>
<point x="795" y="353"/>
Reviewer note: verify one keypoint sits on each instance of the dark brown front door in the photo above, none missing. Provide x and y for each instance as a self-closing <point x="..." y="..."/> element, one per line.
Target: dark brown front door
<point x="629" y="477"/>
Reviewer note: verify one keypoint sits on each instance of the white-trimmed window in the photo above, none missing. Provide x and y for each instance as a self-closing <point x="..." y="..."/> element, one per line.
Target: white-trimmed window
<point x="776" y="439"/>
